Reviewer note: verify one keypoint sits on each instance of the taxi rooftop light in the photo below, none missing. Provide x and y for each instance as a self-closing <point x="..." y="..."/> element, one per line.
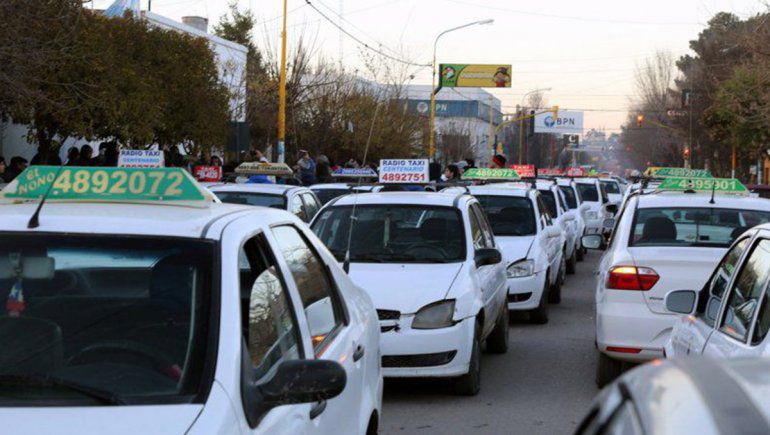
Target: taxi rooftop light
<point x="106" y="184"/>
<point x="491" y="174"/>
<point x="263" y="168"/>
<point x="693" y="185"/>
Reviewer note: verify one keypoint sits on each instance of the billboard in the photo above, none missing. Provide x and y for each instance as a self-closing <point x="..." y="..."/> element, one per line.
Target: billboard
<point x="568" y="122"/>
<point x="456" y="75"/>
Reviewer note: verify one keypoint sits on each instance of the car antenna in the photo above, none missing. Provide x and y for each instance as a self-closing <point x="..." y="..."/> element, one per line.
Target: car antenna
<point x="34" y="221"/>
<point x="713" y="191"/>
<point x="353" y="218"/>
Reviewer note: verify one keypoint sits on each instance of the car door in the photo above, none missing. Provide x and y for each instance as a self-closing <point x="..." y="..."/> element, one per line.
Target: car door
<point x="484" y="274"/>
<point x="493" y="273"/>
<point x="271" y="332"/>
<point x="552" y="243"/>
<point x="333" y="335"/>
<point x="691" y="336"/>
<point x="747" y="290"/>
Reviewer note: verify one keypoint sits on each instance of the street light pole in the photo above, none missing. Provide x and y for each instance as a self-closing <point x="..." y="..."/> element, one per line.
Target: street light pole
<point x="433" y="89"/>
<point x="521" y="122"/>
<point x="282" y="95"/>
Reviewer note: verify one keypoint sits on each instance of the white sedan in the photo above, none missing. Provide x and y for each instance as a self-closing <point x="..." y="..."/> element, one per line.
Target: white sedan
<point x="297" y="200"/>
<point x="663" y="241"/>
<point x="432" y="266"/>
<point x="553" y="198"/>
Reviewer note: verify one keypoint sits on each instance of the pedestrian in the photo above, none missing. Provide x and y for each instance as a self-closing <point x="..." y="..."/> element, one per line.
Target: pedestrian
<point x="215" y="161"/>
<point x="86" y="155"/>
<point x="470" y="164"/>
<point x="17" y="165"/>
<point x="307" y="168"/>
<point x="451" y="174"/>
<point x="462" y="165"/>
<point x="73" y="156"/>
<point x="111" y="155"/>
<point x="174" y="159"/>
<point x="323" y="170"/>
<point x="2" y="167"/>
<point x="259" y="157"/>
<point x="434" y="171"/>
<point x="498" y="162"/>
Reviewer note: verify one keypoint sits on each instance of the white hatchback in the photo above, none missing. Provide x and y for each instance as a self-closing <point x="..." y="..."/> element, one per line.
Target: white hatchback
<point x="562" y="217"/>
<point x="662" y="242"/>
<point x="297" y="200"/>
<point x="432" y="266"/>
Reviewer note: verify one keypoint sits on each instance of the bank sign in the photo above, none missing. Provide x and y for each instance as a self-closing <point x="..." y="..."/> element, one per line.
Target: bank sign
<point x="455" y="108"/>
<point x="567" y="123"/>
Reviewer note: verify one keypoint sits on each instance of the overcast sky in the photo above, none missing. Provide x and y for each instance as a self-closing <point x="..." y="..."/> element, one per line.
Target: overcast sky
<point x="586" y="50"/>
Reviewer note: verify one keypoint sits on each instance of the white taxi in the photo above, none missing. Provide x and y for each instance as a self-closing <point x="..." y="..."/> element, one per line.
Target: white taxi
<point x="612" y="189"/>
<point x="326" y="192"/>
<point x="591" y="193"/>
<point x="432" y="266"/>
<point x="668" y="240"/>
<point x="562" y="217"/>
<point x="135" y="304"/>
<point x="728" y="317"/>
<point x="297" y="200"/>
<point x="568" y="188"/>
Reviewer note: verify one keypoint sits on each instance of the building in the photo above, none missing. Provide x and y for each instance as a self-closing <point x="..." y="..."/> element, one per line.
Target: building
<point x="231" y="60"/>
<point x="465" y="121"/>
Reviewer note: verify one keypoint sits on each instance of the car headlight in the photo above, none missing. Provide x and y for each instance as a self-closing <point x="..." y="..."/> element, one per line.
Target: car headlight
<point x="521" y="269"/>
<point x="435" y="315"/>
<point x="592" y="215"/>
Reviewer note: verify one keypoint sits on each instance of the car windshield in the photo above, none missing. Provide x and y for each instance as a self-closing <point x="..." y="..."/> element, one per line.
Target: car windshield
<point x="550" y="202"/>
<point x="611" y="187"/>
<point x="91" y="320"/>
<point x="326" y="195"/>
<point x="509" y="215"/>
<point x="569" y="195"/>
<point x="679" y="226"/>
<point x="253" y="198"/>
<point x="393" y="233"/>
<point x="587" y="192"/>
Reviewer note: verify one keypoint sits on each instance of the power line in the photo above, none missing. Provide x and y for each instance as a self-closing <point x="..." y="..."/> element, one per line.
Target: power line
<point x="364" y="44"/>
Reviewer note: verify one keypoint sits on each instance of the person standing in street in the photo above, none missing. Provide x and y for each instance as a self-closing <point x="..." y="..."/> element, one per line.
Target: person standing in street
<point x="451" y="174"/>
<point x="259" y="157"/>
<point x="498" y="162"/>
<point x="307" y="168"/>
<point x="73" y="156"/>
<point x="17" y="166"/>
<point x="323" y="170"/>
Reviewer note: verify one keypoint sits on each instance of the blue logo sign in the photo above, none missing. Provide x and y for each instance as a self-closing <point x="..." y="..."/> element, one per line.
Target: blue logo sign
<point x="549" y="121"/>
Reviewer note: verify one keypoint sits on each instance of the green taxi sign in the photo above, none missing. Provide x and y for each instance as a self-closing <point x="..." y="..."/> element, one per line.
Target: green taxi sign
<point x="681" y="173"/>
<point x="722" y="185"/>
<point x="490" y="174"/>
<point x="108" y="184"/>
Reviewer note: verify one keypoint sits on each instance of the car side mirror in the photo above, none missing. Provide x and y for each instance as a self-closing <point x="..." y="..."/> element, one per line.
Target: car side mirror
<point x="681" y="301"/>
<point x="584" y="207"/>
<point x="487" y="256"/>
<point x="594" y="241"/>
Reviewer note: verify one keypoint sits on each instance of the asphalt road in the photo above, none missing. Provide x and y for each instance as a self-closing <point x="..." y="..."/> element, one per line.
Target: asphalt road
<point x="543" y="385"/>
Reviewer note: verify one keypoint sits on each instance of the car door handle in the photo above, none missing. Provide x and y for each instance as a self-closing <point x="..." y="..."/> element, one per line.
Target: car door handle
<point x="358" y="353"/>
<point x="317" y="409"/>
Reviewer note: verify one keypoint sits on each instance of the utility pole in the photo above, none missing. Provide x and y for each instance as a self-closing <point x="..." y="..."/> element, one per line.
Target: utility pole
<point x="149" y="5"/>
<point x="492" y="141"/>
<point x="282" y="95"/>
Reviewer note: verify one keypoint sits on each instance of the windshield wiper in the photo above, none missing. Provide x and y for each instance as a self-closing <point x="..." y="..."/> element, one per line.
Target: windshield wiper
<point x="102" y="396"/>
<point x="367" y="258"/>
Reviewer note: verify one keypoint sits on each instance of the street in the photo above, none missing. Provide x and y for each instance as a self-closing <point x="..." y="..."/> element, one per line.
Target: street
<point x="543" y="385"/>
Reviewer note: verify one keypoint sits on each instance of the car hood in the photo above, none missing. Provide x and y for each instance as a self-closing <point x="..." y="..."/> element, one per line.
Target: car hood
<point x="514" y="248"/>
<point x="116" y="420"/>
<point x="404" y="287"/>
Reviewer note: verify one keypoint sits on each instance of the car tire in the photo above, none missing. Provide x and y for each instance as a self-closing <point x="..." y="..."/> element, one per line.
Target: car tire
<point x="607" y="369"/>
<point x="469" y="384"/>
<point x="572" y="262"/>
<point x="539" y="315"/>
<point x="554" y="295"/>
<point x="580" y="253"/>
<point x="497" y="342"/>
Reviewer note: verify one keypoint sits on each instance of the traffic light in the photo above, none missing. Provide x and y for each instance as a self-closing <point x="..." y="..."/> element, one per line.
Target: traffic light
<point x="639" y="120"/>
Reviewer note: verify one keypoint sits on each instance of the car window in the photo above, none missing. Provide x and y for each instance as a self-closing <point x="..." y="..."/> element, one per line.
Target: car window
<point x="311" y="205"/>
<point x="271" y="331"/>
<point x="611" y="187"/>
<point x="256" y="199"/>
<point x="746" y="292"/>
<point x="477" y="234"/>
<point x="691" y="226"/>
<point x="588" y="192"/>
<point x="322" y="305"/>
<point x="485" y="227"/>
<point x="560" y="196"/>
<point x="603" y="191"/>
<point x="326" y="195"/>
<point x="762" y="324"/>
<point x="711" y="294"/>
<point x="569" y="195"/>
<point x="509" y="215"/>
<point x="297" y="208"/>
<point x="550" y="202"/>
<point x="545" y="218"/>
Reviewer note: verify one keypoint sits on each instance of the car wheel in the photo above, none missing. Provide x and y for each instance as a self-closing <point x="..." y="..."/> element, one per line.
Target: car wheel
<point x="554" y="296"/>
<point x="607" y="369"/>
<point x="572" y="262"/>
<point x="469" y="384"/>
<point x="497" y="342"/>
<point x="539" y="315"/>
<point x="580" y="253"/>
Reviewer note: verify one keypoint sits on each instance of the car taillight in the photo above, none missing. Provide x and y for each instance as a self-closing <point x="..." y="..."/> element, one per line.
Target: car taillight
<point x="631" y="278"/>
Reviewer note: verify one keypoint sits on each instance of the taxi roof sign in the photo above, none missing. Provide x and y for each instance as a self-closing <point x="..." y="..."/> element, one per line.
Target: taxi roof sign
<point x="108" y="184"/>
<point x="264" y="168"/>
<point x="354" y="173"/>
<point x="720" y="185"/>
<point x="659" y="172"/>
<point x="491" y="174"/>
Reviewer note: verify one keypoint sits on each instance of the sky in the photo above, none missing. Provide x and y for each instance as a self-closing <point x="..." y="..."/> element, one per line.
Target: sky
<point x="586" y="51"/>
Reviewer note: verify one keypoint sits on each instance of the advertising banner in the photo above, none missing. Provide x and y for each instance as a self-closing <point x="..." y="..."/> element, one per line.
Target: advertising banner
<point x="550" y="171"/>
<point x="568" y="122"/>
<point x="524" y="171"/>
<point x="140" y="159"/>
<point x="404" y="171"/>
<point x="208" y="174"/>
<point x="455" y="75"/>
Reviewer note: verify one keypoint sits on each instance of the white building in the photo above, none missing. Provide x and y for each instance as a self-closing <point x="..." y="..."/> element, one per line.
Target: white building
<point x="231" y="60"/>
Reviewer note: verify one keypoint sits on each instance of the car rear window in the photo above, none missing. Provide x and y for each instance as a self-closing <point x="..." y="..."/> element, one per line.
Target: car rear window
<point x="688" y="226"/>
<point x="509" y="215"/>
<point x="569" y="195"/>
<point x="588" y="192"/>
<point x="611" y="187"/>
<point x="550" y="202"/>
<point x="256" y="199"/>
